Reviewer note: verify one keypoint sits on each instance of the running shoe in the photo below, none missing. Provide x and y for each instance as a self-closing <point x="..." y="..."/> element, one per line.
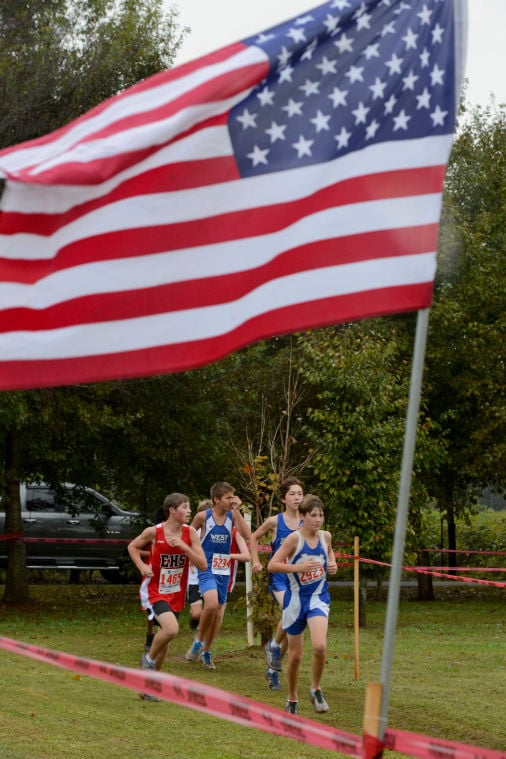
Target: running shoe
<point x="145" y="664"/>
<point x="318" y="700"/>
<point x="273" y="654"/>
<point x="193" y="653"/>
<point x="272" y="676"/>
<point x="148" y="697"/>
<point x="207" y="660"/>
<point x="292" y="707"/>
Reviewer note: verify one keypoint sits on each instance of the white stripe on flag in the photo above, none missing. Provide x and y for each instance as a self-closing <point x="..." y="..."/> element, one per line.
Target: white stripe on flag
<point x="137" y="101"/>
<point x="225" y="258"/>
<point x="202" y="202"/>
<point x="198" y="324"/>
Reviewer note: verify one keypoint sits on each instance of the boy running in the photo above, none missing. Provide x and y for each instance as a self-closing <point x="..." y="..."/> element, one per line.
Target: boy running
<point x="174" y="545"/>
<point x="215" y="527"/>
<point x="306" y="557"/>
<point x="280" y="526"/>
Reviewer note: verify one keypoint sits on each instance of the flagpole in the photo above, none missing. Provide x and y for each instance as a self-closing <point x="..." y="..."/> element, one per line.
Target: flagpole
<point x="402" y="512"/>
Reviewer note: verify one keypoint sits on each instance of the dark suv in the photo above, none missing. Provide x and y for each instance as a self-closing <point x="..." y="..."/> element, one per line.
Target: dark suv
<point x="53" y="517"/>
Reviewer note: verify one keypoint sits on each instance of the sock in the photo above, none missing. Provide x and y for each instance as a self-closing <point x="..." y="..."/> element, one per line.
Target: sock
<point x="149" y="659"/>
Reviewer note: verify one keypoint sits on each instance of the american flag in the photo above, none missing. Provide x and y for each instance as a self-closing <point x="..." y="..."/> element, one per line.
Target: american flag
<point x="285" y="182"/>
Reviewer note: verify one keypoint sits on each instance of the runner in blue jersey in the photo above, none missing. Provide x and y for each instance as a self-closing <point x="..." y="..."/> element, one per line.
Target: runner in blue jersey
<point x="280" y="526"/>
<point x="306" y="556"/>
<point x="215" y="527"/>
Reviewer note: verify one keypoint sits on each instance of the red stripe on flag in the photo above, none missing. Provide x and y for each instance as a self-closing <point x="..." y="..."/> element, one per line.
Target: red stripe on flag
<point x="131" y="242"/>
<point x="223" y="288"/>
<point x="93" y="172"/>
<point x="225" y="85"/>
<point x="173" y="178"/>
<point x="190" y="355"/>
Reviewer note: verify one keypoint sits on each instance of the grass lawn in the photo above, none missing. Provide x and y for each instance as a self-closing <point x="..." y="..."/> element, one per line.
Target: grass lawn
<point x="448" y="681"/>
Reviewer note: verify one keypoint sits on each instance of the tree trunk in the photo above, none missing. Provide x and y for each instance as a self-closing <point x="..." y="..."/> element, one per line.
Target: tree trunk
<point x="16" y="581"/>
<point x="74" y="576"/>
<point x="425" y="585"/>
<point x="452" y="539"/>
<point x="362" y="602"/>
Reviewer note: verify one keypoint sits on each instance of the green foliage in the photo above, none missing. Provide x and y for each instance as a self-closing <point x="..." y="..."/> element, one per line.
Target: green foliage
<point x="484" y="531"/>
<point x="170" y="438"/>
<point x="481" y="531"/>
<point x="263" y="418"/>
<point x="264" y="610"/>
<point x="361" y="376"/>
<point x="465" y="353"/>
<point x="59" y="58"/>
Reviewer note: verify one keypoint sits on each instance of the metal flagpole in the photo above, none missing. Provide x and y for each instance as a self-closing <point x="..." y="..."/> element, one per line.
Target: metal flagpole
<point x="375" y="725"/>
<point x="402" y="512"/>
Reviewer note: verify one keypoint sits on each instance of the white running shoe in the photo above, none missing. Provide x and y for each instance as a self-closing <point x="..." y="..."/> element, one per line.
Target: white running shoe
<point x="318" y="700"/>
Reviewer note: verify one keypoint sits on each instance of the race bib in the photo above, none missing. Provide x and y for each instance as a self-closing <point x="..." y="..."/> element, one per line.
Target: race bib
<point x="170" y="580"/>
<point x="306" y="578"/>
<point x="221" y="564"/>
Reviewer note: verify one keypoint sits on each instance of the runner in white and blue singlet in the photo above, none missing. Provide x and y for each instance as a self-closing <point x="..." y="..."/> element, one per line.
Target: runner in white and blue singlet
<point x="308" y="594"/>
<point x="306" y="556"/>
<point x="216" y="540"/>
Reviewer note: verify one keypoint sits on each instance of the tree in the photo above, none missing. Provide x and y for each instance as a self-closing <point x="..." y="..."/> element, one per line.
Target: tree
<point x="267" y="435"/>
<point x="467" y="331"/>
<point x="361" y="372"/>
<point x="168" y="436"/>
<point x="59" y="58"/>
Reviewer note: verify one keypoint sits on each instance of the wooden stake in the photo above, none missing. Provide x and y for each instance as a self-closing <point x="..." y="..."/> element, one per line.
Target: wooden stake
<point x="250" y="631"/>
<point x="356" y="605"/>
<point x="373" y="747"/>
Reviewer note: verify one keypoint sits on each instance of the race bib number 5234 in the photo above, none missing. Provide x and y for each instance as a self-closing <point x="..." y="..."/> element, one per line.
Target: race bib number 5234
<point x="221" y="564"/>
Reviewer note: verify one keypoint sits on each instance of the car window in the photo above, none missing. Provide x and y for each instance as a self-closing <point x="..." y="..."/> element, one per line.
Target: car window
<point x="79" y="505"/>
<point x="79" y="502"/>
<point x="42" y="499"/>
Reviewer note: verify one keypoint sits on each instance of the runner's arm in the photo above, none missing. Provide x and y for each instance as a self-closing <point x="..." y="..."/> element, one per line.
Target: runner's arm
<point x="279" y="564"/>
<point x="265" y="527"/>
<point x="244" y="554"/>
<point x="137" y="548"/>
<point x="331" y="561"/>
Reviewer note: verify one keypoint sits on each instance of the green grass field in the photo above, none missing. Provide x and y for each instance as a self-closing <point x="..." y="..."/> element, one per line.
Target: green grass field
<point x="448" y="680"/>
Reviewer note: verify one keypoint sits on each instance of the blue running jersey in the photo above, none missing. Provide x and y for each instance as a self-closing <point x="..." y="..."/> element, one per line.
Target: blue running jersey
<point x="308" y="594"/>
<point x="216" y="541"/>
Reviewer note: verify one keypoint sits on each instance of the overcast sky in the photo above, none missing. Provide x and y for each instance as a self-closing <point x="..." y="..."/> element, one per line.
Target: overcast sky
<point x="215" y="23"/>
